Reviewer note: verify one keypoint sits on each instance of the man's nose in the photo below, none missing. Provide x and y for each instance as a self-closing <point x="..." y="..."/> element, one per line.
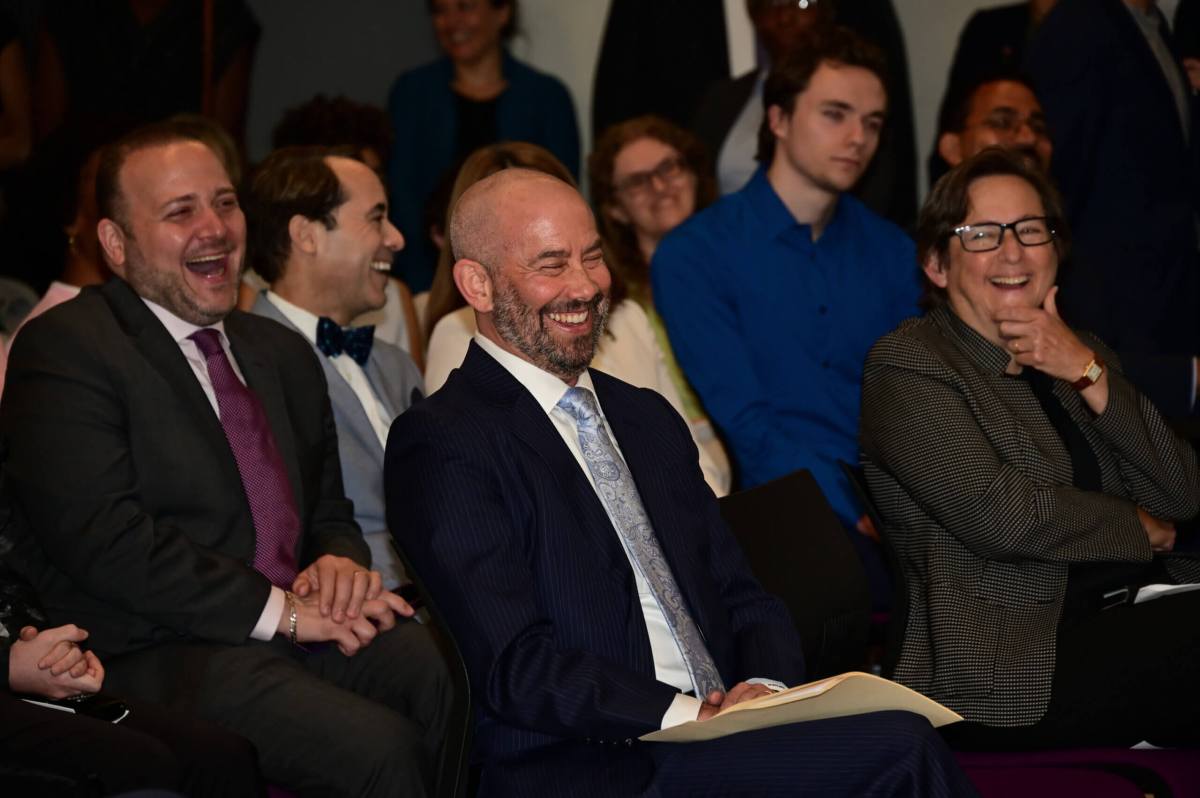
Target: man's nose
<point x="392" y="238"/>
<point x="1024" y="133"/>
<point x="212" y="223"/>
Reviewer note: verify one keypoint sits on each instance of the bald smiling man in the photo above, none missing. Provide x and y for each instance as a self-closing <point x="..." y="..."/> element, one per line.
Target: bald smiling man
<point x="562" y="524"/>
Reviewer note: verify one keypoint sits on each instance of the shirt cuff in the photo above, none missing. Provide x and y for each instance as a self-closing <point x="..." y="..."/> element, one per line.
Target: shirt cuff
<point x="268" y="622"/>
<point x="771" y="684"/>
<point x="683" y="709"/>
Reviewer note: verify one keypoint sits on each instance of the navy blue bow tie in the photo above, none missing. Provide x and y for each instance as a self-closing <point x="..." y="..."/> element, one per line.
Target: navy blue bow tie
<point x="333" y="340"/>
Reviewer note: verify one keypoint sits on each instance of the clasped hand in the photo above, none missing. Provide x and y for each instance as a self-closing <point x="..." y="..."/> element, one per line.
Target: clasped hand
<point x="340" y="601"/>
<point x="51" y="663"/>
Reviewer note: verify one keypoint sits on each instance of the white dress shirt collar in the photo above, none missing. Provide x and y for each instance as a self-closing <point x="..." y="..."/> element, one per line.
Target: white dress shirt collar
<point x="179" y="329"/>
<point x="304" y="321"/>
<point x="546" y="388"/>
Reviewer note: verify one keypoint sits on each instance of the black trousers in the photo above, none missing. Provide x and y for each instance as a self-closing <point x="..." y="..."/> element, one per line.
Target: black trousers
<point x="1123" y="675"/>
<point x="49" y="753"/>
<point x="323" y="723"/>
<point x="877" y="754"/>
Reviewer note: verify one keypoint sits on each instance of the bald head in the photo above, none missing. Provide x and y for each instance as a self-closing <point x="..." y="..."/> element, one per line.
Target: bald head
<point x="478" y="219"/>
<point x="528" y="259"/>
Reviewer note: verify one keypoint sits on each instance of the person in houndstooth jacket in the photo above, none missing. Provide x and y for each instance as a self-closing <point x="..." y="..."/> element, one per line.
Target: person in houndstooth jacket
<point x="1028" y="489"/>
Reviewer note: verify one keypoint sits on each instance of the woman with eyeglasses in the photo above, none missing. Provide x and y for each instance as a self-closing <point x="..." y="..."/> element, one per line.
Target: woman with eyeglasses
<point x="475" y="94"/>
<point x="647" y="176"/>
<point x="629" y="348"/>
<point x="1028" y="489"/>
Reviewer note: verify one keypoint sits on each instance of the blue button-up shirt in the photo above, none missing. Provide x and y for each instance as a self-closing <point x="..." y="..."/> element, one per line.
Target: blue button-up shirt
<point x="772" y="328"/>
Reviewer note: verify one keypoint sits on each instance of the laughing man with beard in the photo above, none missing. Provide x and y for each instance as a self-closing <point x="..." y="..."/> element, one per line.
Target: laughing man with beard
<point x="177" y="462"/>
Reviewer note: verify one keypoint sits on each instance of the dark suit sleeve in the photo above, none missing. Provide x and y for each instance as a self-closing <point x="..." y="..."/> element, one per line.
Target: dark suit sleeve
<point x="470" y="546"/>
<point x="920" y="424"/>
<point x="1159" y="469"/>
<point x="70" y="467"/>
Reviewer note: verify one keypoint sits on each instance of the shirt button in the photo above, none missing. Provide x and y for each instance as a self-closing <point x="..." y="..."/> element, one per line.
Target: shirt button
<point x="822" y="310"/>
<point x="824" y="364"/>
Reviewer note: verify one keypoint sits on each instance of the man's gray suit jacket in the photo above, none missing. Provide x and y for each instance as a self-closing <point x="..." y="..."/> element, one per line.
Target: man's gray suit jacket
<point x="397" y="383"/>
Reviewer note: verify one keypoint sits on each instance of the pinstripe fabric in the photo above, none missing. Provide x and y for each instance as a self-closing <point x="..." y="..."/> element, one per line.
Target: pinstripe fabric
<point x="975" y="489"/>
<point x="505" y="529"/>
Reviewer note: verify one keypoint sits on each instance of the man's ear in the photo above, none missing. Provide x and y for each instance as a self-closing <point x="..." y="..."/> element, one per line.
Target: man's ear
<point x="475" y="284"/>
<point x="303" y="233"/>
<point x="950" y="148"/>
<point x="112" y="242"/>
<point x="935" y="270"/>
<point x="777" y="120"/>
<point x="617" y="213"/>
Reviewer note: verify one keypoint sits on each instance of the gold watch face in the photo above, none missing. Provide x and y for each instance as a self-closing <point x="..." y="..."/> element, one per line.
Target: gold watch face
<point x="1093" y="372"/>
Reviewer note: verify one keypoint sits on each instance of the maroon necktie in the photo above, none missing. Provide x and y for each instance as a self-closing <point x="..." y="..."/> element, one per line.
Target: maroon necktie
<point x="264" y="478"/>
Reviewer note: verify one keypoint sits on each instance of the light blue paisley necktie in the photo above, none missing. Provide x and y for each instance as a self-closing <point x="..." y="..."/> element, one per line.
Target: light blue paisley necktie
<point x="614" y="484"/>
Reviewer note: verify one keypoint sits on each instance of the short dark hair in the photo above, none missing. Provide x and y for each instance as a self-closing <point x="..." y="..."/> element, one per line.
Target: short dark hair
<point x="110" y="199"/>
<point x="952" y="117"/>
<point x="335" y="122"/>
<point x="949" y="203"/>
<point x="290" y="181"/>
<point x="509" y="30"/>
<point x="838" y="46"/>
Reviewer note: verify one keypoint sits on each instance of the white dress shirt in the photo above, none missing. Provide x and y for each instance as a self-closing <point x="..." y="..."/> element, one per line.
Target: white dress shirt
<point x="547" y="390"/>
<point x="628" y="350"/>
<point x="735" y="161"/>
<point x="181" y="331"/>
<point x="351" y="372"/>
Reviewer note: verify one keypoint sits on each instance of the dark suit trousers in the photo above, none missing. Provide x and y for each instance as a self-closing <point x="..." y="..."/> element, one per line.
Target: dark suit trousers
<point x="323" y="724"/>
<point x="1123" y="675"/>
<point x="50" y="753"/>
<point x="880" y="754"/>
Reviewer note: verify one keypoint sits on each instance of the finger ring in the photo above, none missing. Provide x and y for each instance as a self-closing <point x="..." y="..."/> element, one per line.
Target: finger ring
<point x="1017" y="347"/>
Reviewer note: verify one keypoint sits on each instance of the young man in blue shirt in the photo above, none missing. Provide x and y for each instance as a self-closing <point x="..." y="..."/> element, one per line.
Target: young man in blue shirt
<point x="773" y="295"/>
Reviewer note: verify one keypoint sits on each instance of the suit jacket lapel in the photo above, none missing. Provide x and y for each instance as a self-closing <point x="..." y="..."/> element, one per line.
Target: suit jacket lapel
<point x="636" y="444"/>
<point x="530" y="424"/>
<point x="163" y="354"/>
<point x="341" y="395"/>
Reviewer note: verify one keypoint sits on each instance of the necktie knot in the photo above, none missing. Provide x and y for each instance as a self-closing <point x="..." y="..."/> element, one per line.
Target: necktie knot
<point x="580" y="404"/>
<point x="355" y="342"/>
<point x="208" y="341"/>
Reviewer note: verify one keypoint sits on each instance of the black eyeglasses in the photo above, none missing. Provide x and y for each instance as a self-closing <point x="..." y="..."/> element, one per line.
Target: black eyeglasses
<point x="668" y="170"/>
<point x="1032" y="232"/>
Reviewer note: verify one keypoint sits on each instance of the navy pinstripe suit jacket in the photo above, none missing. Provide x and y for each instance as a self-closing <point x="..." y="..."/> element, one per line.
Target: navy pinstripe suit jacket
<point x="504" y="528"/>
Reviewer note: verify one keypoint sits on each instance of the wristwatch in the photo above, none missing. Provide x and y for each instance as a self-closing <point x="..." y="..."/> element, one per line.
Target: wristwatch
<point x="1091" y="375"/>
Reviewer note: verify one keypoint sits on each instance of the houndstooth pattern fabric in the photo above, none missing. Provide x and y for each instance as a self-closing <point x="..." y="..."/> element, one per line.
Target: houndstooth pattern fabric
<point x="614" y="484"/>
<point x="264" y="478"/>
<point x="975" y="489"/>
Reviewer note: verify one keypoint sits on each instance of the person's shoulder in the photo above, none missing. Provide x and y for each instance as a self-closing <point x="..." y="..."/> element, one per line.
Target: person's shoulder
<point x="720" y="223"/>
<point x="266" y="335"/>
<point x="916" y="344"/>
<point x="871" y="228"/>
<point x="525" y="76"/>
<point x="435" y="74"/>
<point x="395" y="361"/>
<point x="646" y="403"/>
<point x="88" y="318"/>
